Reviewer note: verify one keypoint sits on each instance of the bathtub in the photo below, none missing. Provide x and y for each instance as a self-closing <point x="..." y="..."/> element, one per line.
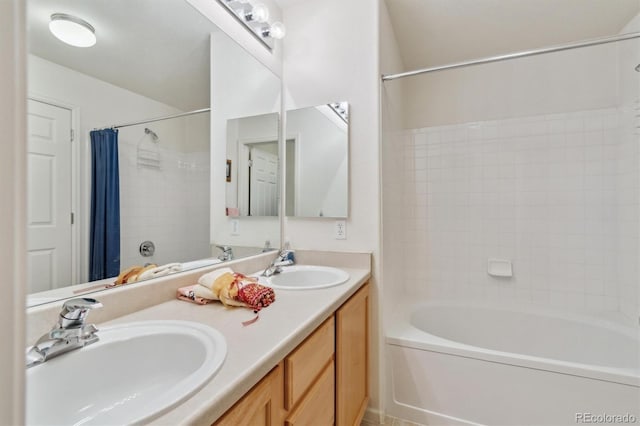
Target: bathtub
<point x="454" y="363"/>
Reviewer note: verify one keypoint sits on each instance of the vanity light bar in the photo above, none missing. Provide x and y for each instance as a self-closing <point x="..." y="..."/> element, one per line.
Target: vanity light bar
<point x="342" y="109"/>
<point x="255" y="18"/>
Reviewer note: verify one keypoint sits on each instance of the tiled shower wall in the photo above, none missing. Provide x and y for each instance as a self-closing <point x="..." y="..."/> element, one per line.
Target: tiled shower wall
<point x="167" y="205"/>
<point x="555" y="194"/>
<point x="629" y="213"/>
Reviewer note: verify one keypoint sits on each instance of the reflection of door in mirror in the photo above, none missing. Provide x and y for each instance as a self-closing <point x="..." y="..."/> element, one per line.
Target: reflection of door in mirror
<point x="258" y="178"/>
<point x="49" y="196"/>
<point x="263" y="182"/>
<point x="253" y="142"/>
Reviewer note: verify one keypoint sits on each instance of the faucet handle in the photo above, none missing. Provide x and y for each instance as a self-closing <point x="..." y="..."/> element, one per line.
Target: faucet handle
<point x="74" y="311"/>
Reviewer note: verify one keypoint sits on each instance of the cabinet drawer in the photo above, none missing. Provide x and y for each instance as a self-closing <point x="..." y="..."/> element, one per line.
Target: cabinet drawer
<point x="316" y="408"/>
<point x="306" y="362"/>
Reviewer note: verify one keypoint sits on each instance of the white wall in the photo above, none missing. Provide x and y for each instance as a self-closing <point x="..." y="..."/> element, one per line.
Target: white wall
<point x="628" y="184"/>
<point x="149" y="204"/>
<point x="340" y="65"/>
<point x="12" y="209"/>
<point x="241" y="86"/>
<point x="392" y="203"/>
<point x="392" y="115"/>
<point x="575" y="80"/>
<point x="321" y="150"/>
<point x="331" y="54"/>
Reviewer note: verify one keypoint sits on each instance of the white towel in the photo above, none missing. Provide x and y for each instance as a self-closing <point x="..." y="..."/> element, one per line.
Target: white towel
<point x="160" y="271"/>
<point x="202" y="291"/>
<point x="208" y="279"/>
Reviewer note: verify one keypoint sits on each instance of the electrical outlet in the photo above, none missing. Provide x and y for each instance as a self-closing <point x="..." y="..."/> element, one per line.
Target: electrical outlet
<point x="235" y="227"/>
<point x="341" y="229"/>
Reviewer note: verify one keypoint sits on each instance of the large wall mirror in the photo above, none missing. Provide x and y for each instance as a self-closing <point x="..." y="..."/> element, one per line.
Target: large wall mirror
<point x="317" y="161"/>
<point x="144" y="88"/>
<point x="247" y="102"/>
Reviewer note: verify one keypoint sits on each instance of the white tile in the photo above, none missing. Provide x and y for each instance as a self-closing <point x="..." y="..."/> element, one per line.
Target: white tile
<point x="545" y="189"/>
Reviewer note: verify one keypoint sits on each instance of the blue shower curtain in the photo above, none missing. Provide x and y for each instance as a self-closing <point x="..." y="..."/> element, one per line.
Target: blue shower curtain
<point x="104" y="234"/>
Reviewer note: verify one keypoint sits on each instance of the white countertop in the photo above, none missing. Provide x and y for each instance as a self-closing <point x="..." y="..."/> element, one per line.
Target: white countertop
<point x="252" y="351"/>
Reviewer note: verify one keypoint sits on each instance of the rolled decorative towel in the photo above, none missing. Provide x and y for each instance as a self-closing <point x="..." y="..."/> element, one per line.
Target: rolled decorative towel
<point x="188" y="294"/>
<point x="257" y="296"/>
<point x="234" y="289"/>
<point x="240" y="290"/>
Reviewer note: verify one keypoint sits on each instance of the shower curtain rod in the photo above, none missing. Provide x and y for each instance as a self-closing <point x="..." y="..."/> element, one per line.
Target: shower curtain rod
<point x="135" y="123"/>
<point x="522" y="54"/>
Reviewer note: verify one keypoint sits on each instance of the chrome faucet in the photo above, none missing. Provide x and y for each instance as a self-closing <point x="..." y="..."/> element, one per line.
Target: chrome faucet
<point x="285" y="257"/>
<point x="227" y="253"/>
<point x="69" y="333"/>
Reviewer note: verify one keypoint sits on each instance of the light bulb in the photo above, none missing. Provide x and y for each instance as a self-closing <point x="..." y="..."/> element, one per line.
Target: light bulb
<point x="71" y="30"/>
<point x="277" y="30"/>
<point x="260" y="13"/>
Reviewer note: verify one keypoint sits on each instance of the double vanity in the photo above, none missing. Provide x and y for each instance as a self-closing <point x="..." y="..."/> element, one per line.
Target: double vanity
<point x="164" y="361"/>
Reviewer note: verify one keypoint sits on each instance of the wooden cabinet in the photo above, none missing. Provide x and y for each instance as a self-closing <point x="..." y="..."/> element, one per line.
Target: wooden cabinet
<point x="304" y="365"/>
<point x="310" y="379"/>
<point x="324" y="381"/>
<point x="352" y="359"/>
<point x="317" y="406"/>
<point x="261" y="406"/>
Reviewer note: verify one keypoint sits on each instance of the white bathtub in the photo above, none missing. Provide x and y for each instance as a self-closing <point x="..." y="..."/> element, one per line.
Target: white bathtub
<point x="452" y="363"/>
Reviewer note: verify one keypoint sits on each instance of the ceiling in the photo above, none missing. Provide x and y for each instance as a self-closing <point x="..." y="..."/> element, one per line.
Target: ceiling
<point x="157" y="48"/>
<point x="438" y="32"/>
<point x="160" y="48"/>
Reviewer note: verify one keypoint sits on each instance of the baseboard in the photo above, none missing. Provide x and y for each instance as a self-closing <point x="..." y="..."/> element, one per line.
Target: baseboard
<point x="373" y="416"/>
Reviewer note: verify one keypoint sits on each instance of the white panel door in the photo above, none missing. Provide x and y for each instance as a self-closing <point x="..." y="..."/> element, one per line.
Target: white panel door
<point x="263" y="198"/>
<point x="48" y="197"/>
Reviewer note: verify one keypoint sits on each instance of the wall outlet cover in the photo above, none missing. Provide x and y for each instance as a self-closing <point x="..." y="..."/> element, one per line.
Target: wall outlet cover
<point x="341" y="229"/>
<point x="235" y="227"/>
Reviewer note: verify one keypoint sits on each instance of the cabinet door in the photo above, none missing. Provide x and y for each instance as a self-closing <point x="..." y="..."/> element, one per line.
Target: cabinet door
<point x="307" y="361"/>
<point x="261" y="406"/>
<point x="316" y="408"/>
<point x="352" y="359"/>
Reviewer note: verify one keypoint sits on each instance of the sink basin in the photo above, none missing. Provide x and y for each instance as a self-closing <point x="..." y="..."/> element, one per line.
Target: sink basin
<point x="306" y="277"/>
<point x="133" y="373"/>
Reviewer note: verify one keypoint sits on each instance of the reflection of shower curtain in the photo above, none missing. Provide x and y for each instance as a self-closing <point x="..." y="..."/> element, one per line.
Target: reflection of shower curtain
<point x="104" y="234"/>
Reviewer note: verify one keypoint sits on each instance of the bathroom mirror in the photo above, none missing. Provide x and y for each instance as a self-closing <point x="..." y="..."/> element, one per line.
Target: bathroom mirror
<point x="246" y="100"/>
<point x="252" y="178"/>
<point x="317" y="161"/>
<point x="152" y="60"/>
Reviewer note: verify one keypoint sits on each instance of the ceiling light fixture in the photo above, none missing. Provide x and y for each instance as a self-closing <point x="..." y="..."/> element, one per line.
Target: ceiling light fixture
<point x="72" y="30"/>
